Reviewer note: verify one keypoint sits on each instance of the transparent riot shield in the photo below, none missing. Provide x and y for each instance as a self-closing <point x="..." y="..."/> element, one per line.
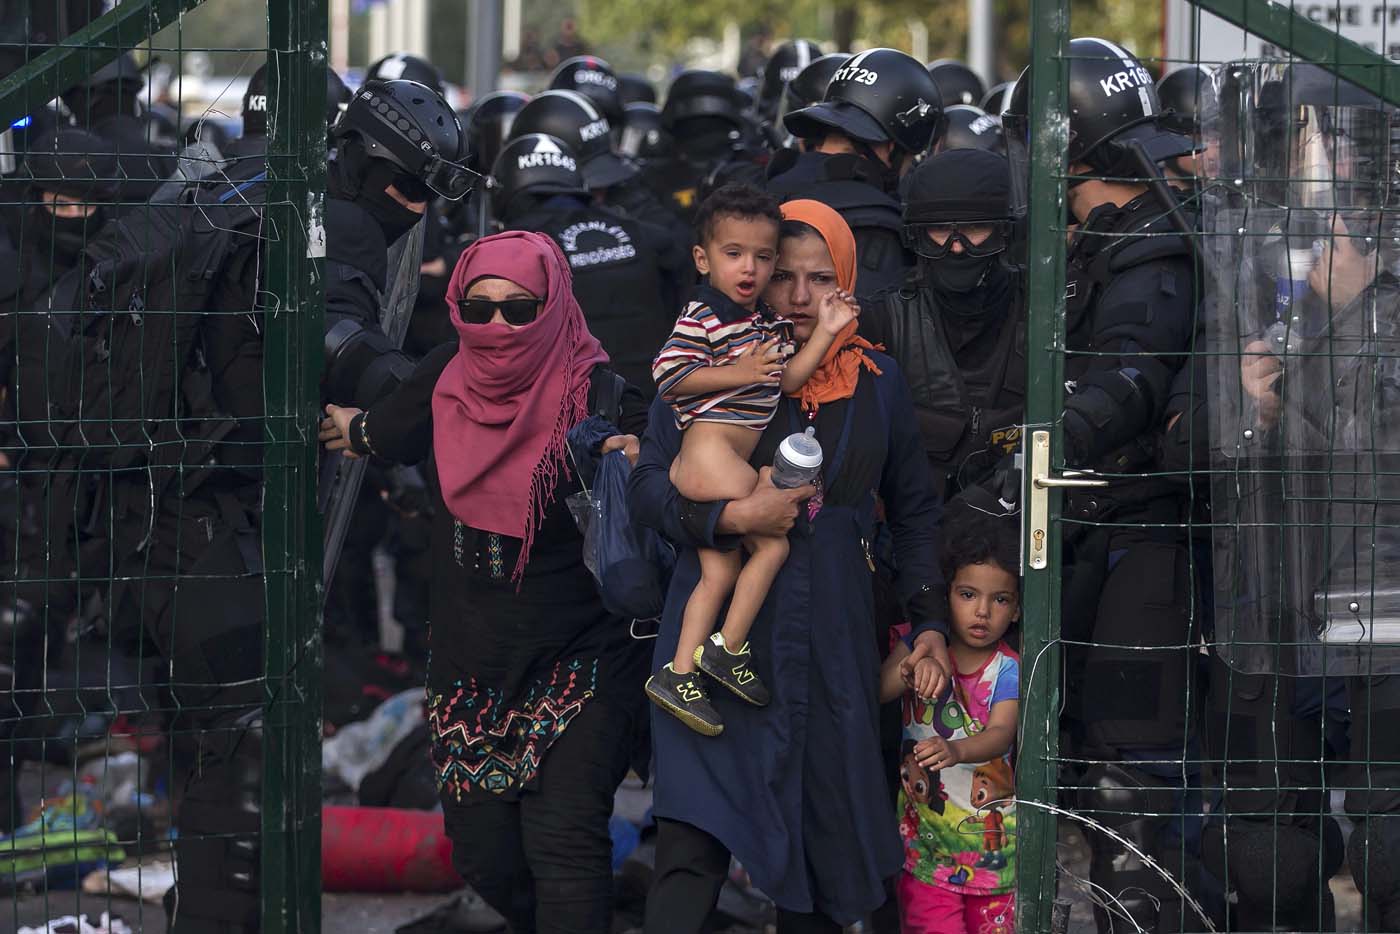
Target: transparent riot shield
<point x="1302" y="330"/>
<point x="341" y="477"/>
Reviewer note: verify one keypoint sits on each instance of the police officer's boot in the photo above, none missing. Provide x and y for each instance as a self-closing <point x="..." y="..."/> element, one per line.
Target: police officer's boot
<point x="220" y="821"/>
<point x="1270" y="846"/>
<point x="1138" y="808"/>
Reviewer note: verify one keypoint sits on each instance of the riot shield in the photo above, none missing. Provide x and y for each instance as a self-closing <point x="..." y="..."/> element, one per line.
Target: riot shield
<point x="1302" y="332"/>
<point x="341" y="477"/>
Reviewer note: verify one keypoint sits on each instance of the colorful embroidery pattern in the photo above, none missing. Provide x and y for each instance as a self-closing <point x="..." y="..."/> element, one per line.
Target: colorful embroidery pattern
<point x="480" y="745"/>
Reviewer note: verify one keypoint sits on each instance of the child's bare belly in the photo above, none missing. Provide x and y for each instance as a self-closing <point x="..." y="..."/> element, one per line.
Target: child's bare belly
<point x="713" y="463"/>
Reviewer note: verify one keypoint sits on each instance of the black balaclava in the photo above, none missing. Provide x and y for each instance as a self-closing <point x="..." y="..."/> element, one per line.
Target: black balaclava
<point x="356" y="176"/>
<point x="61" y="238"/>
<point x="963" y="185"/>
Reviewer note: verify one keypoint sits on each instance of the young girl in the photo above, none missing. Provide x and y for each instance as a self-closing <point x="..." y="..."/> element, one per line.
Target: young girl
<point x="723" y="372"/>
<point x="956" y="803"/>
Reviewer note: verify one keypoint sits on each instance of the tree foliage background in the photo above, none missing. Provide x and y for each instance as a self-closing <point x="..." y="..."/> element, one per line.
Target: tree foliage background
<point x="636" y="34"/>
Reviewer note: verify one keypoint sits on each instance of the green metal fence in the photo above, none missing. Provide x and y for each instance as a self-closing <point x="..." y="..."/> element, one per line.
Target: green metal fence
<point x="1282" y="782"/>
<point x="85" y="592"/>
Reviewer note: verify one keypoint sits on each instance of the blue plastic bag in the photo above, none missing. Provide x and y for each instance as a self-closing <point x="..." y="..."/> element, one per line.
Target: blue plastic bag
<point x="632" y="564"/>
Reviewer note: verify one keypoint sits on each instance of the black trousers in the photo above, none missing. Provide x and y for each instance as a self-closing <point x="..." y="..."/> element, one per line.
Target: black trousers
<point x="691" y="867"/>
<point x="544" y="861"/>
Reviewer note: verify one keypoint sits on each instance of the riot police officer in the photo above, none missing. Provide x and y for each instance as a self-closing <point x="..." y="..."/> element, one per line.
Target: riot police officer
<point x="634" y="89"/>
<point x="1300" y="341"/>
<point x="627" y="274"/>
<point x="397" y="147"/>
<point x="69" y="183"/>
<point x="955" y="326"/>
<point x="971" y="127"/>
<point x="957" y="83"/>
<point x="644" y="137"/>
<point x="704" y="117"/>
<point x="1188" y="95"/>
<point x="385" y="172"/>
<point x="595" y="79"/>
<point x="487" y="124"/>
<point x="881" y="109"/>
<point x="403" y="66"/>
<point x="1131" y="302"/>
<point x="108" y="103"/>
<point x="786" y="63"/>
<point x="251" y="145"/>
<point x="613" y="180"/>
<point x="808" y="87"/>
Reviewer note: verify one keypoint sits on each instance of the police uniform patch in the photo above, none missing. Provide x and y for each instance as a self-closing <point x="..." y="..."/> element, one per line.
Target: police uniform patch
<point x="596" y="243"/>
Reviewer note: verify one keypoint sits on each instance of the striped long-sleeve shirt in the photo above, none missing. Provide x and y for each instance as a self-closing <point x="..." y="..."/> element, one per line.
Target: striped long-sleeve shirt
<point x="713" y="330"/>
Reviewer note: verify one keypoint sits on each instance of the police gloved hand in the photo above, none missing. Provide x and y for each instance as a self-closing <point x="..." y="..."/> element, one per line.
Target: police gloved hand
<point x="407" y="494"/>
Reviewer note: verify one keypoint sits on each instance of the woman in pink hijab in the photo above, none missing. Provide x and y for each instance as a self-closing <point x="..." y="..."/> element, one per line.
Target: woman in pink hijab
<point x="534" y="691"/>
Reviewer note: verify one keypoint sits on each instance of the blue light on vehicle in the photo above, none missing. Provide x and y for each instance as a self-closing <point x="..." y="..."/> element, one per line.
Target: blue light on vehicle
<point x="21" y="123"/>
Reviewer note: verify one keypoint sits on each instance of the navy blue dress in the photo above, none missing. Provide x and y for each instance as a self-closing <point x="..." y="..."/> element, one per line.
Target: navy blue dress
<point x="797" y="790"/>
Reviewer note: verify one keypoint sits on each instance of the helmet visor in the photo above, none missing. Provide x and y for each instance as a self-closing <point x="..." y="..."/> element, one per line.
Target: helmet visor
<point x="451" y="180"/>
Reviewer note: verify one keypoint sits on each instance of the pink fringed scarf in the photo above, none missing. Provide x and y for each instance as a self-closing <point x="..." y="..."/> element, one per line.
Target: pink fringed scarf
<point x="505" y="403"/>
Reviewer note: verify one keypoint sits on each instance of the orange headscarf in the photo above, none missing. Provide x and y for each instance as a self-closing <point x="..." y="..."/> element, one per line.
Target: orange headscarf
<point x="840" y="368"/>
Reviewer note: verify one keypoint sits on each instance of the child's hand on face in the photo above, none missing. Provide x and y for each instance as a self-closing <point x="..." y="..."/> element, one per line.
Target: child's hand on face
<point x="761" y="363"/>
<point x="838" y="308"/>
<point x="936" y="753"/>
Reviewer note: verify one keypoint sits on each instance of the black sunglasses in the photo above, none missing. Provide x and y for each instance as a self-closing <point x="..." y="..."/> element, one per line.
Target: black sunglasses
<point x="516" y="311"/>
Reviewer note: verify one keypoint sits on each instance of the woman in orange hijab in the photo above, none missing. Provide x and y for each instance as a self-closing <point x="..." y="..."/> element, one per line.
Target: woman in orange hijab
<point x="798" y="790"/>
<point x="817" y="246"/>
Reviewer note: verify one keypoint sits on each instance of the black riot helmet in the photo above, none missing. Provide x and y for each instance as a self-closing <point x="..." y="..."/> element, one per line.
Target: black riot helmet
<point x="402" y="66"/>
<point x="809" y="86"/>
<point x="997" y="98"/>
<point x="255" y="103"/>
<point x="1113" y="111"/>
<point x="536" y="164"/>
<point x="876" y="96"/>
<point x="594" y="79"/>
<point x="634" y="88"/>
<point x="72" y="162"/>
<point x="571" y="117"/>
<point x="1187" y="96"/>
<point x="697" y="94"/>
<point x="786" y="63"/>
<point x="488" y="124"/>
<point x="114" y="90"/>
<point x="411" y="126"/>
<point x="959" y="84"/>
<point x="971" y="127"/>
<point x="643" y="135"/>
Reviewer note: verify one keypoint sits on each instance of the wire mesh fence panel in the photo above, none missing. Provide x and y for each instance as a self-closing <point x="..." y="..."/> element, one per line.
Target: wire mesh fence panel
<point x="1212" y="514"/>
<point x="159" y="357"/>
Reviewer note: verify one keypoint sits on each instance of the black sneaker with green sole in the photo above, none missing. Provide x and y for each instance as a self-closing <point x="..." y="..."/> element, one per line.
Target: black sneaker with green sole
<point x="684" y="697"/>
<point x="731" y="669"/>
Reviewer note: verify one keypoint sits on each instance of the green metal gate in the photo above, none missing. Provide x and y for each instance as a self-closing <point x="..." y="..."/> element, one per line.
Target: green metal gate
<point x="293" y="40"/>
<point x="1052" y="895"/>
